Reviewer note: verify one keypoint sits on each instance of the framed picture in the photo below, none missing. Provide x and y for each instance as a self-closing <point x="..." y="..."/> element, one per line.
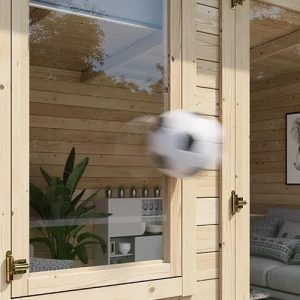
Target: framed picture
<point x="293" y="148"/>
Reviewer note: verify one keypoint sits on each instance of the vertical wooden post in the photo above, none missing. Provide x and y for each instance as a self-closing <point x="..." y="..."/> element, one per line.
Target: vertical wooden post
<point x="5" y="144"/>
<point x="189" y="73"/>
<point x="20" y="139"/>
<point x="234" y="281"/>
<point x="173" y="253"/>
<point x="243" y="148"/>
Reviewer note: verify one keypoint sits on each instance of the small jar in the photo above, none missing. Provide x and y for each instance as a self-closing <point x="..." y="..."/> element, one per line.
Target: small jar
<point x="133" y="192"/>
<point x="108" y="192"/>
<point x="145" y="192"/>
<point x="121" y="192"/>
<point x="156" y="192"/>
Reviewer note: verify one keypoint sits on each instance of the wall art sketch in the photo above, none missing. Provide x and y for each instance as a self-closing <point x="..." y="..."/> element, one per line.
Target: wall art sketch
<point x="293" y="148"/>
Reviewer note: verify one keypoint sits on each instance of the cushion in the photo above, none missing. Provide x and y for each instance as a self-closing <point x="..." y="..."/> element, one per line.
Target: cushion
<point x="259" y="268"/>
<point x="44" y="264"/>
<point x="290" y="230"/>
<point x="295" y="260"/>
<point x="285" y="278"/>
<point x="265" y="226"/>
<point x="276" y="248"/>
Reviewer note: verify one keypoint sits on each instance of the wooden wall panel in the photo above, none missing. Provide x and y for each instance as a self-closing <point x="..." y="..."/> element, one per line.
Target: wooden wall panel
<point x="207" y="290"/>
<point x="206" y="184"/>
<point x="270" y="101"/>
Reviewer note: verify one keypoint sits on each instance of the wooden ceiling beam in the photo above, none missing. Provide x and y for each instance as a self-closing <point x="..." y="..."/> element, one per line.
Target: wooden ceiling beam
<point x="288" y="4"/>
<point x="38" y="14"/>
<point x="274" y="47"/>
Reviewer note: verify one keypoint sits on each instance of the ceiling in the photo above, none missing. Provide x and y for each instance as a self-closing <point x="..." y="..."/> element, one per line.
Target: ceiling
<point x="275" y="41"/>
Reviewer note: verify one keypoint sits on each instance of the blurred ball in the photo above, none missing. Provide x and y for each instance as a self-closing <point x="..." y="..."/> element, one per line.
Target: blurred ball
<point x="184" y="143"/>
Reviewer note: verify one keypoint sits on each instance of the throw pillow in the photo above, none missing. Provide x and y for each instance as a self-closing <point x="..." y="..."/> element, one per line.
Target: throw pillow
<point x="276" y="248"/>
<point x="265" y="226"/>
<point x="295" y="260"/>
<point x="290" y="230"/>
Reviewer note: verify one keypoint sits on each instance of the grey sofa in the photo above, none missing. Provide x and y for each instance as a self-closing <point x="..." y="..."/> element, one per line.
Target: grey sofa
<point x="280" y="280"/>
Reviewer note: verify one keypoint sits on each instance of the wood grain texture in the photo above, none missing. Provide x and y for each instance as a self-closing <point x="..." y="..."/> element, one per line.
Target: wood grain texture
<point x="189" y="73"/>
<point x="20" y="140"/>
<point x="278" y="96"/>
<point x="207" y="238"/>
<point x="150" y="290"/>
<point x="207" y="290"/>
<point x="5" y="145"/>
<point x="207" y="266"/>
<point x="207" y="19"/>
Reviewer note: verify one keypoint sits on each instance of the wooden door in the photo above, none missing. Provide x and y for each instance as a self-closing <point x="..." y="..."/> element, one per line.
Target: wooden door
<point x="235" y="167"/>
<point x="94" y="275"/>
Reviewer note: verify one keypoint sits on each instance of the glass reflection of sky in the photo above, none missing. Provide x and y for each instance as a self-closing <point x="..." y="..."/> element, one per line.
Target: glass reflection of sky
<point x="137" y="55"/>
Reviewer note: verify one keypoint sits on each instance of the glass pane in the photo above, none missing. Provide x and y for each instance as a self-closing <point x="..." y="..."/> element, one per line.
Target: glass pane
<point x="97" y="73"/>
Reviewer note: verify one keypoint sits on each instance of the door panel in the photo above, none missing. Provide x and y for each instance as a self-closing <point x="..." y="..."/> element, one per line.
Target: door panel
<point x="81" y="78"/>
<point x="5" y="145"/>
<point x="235" y="167"/>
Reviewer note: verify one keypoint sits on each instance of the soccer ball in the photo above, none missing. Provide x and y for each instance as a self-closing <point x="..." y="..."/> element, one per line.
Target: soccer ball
<point x="184" y="143"/>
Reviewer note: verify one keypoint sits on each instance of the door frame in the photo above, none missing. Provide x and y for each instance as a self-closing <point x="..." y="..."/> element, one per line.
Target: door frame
<point x="235" y="171"/>
<point x="172" y="278"/>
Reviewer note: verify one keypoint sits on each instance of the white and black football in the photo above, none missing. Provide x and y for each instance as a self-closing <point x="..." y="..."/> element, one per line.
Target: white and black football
<point x="184" y="143"/>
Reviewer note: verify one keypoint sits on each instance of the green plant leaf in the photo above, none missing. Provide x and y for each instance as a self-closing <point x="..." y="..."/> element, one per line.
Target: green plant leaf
<point x="77" y="230"/>
<point x="77" y="198"/>
<point x="88" y="200"/>
<point x="89" y="235"/>
<point x="36" y="197"/>
<point x="59" y="209"/>
<point x="69" y="165"/>
<point x="76" y="175"/>
<point x="47" y="177"/>
<point x="82" y="254"/>
<point x="55" y="191"/>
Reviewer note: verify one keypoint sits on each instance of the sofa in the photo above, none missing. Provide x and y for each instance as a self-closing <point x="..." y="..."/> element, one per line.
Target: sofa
<point x="281" y="280"/>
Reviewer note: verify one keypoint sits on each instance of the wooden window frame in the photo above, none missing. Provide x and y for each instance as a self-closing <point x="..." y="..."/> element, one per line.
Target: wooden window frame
<point x="174" y="276"/>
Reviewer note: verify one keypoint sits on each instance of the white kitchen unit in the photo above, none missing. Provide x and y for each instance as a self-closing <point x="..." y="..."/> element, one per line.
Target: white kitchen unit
<point x="129" y="223"/>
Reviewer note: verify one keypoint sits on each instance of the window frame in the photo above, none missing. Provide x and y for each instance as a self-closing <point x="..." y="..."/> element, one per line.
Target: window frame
<point x="103" y="276"/>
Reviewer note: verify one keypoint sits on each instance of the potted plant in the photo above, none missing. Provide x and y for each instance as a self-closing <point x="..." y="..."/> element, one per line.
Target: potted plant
<point x="58" y="204"/>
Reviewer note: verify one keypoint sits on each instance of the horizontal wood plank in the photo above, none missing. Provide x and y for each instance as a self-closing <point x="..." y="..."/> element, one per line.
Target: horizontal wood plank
<point x="207" y="238"/>
<point x="207" y="74"/>
<point x="207" y="290"/>
<point x="207" y="266"/>
<point x="207" y="18"/>
<point x="207" y="47"/>
<point x="207" y="211"/>
<point x="212" y="3"/>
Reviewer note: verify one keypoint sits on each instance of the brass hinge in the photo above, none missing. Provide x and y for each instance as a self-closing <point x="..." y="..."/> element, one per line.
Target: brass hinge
<point x="237" y="2"/>
<point x="14" y="267"/>
<point x="237" y="202"/>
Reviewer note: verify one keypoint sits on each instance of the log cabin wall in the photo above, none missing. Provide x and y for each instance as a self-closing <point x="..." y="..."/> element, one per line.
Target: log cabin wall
<point x="275" y="85"/>
<point x="270" y="101"/>
<point x="94" y="119"/>
<point x="65" y="112"/>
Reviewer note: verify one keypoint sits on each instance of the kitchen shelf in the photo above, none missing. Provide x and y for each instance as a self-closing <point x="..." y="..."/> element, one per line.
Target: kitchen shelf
<point x="120" y="255"/>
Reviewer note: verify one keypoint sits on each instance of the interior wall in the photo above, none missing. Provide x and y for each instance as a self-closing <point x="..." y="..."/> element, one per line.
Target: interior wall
<point x="64" y="112"/>
<point x="270" y="101"/>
